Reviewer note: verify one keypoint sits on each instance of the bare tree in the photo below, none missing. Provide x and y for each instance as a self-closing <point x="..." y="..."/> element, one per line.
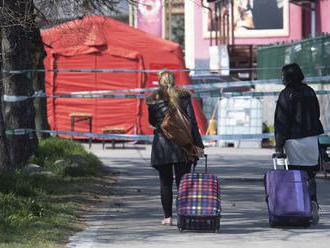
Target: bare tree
<point x="57" y="11"/>
<point x="4" y="155"/>
<point x="4" y="158"/>
<point x="16" y="56"/>
<point x="38" y="81"/>
<point x="22" y="49"/>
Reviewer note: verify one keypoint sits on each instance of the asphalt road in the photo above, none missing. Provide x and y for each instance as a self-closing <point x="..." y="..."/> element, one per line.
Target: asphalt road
<point x="132" y="216"/>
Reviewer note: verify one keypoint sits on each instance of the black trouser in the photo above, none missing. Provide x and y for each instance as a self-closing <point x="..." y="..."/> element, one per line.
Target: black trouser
<point x="166" y="183"/>
<point x="311" y="171"/>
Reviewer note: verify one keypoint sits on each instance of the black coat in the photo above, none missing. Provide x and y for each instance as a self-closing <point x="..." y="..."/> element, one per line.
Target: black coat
<point x="297" y="114"/>
<point x="165" y="151"/>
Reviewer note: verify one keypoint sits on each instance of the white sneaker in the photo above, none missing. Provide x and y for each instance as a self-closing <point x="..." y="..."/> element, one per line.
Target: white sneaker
<point x="167" y="221"/>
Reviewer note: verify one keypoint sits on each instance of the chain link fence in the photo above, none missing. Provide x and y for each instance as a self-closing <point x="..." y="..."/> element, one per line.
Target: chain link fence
<point x="313" y="55"/>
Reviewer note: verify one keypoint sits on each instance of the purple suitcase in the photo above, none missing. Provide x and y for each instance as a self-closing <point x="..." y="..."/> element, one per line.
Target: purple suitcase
<point x="288" y="197"/>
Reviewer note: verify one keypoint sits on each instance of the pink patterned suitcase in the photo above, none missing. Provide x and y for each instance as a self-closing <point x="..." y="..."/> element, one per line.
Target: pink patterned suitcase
<point x="198" y="201"/>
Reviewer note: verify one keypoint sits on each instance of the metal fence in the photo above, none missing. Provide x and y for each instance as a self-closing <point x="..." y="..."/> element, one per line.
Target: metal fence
<point x="313" y="55"/>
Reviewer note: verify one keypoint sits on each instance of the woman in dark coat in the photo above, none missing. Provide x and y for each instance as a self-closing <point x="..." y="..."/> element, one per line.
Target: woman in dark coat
<point x="297" y="126"/>
<point x="165" y="153"/>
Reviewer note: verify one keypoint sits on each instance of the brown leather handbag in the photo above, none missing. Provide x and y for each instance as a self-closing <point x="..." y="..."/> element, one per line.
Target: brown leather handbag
<point x="176" y="126"/>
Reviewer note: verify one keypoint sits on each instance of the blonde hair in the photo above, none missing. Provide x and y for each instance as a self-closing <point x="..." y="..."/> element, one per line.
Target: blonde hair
<point x="167" y="86"/>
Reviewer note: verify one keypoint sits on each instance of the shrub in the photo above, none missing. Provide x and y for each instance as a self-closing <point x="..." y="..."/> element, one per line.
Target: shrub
<point x="53" y="149"/>
<point x="66" y="158"/>
<point x="16" y="182"/>
<point x="269" y="142"/>
<point x="7" y="182"/>
<point x="39" y="203"/>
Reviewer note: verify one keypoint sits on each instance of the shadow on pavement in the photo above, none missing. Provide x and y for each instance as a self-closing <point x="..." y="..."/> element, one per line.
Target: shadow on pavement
<point x="135" y="212"/>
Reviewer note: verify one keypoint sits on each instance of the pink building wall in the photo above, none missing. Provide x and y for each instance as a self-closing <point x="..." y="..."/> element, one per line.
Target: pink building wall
<point x="322" y="10"/>
<point x="324" y="16"/>
<point x="202" y="44"/>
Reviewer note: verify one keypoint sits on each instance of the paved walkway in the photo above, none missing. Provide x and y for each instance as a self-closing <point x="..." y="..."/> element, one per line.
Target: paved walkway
<point x="132" y="217"/>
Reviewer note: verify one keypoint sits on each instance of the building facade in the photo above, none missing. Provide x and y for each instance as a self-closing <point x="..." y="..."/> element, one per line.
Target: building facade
<point x="259" y="22"/>
<point x="245" y="25"/>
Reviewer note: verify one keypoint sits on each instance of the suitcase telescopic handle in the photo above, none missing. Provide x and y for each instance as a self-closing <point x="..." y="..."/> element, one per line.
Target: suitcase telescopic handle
<point x="195" y="164"/>
<point x="280" y="160"/>
<point x="205" y="156"/>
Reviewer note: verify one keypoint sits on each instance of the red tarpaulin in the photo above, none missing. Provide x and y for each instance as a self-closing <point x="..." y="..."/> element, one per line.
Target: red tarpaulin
<point x="97" y="42"/>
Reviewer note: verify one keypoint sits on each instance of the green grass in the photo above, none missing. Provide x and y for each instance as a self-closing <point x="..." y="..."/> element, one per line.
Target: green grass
<point x="32" y="212"/>
<point x="40" y="210"/>
<point x="51" y="151"/>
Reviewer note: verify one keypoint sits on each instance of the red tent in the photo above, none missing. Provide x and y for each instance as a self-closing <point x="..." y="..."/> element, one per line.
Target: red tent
<point x="97" y="42"/>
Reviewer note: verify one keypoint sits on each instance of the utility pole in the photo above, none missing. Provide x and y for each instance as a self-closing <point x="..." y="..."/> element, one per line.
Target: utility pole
<point x="313" y="20"/>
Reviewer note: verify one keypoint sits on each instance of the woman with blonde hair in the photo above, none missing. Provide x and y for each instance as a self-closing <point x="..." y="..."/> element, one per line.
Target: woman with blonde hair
<point x="167" y="153"/>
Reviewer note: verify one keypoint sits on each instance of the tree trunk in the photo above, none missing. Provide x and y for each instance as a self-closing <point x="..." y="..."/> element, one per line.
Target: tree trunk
<point x="40" y="104"/>
<point x="4" y="154"/>
<point x="17" y="55"/>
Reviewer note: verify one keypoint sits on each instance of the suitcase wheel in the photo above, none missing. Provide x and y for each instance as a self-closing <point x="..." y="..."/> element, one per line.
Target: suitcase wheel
<point x="217" y="228"/>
